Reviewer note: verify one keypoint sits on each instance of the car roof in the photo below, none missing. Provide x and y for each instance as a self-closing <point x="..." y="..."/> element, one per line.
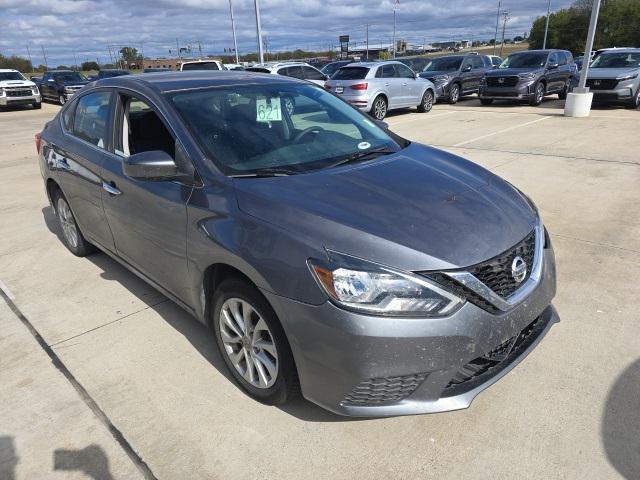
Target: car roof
<point x="60" y="71"/>
<point x="202" y="60"/>
<point x="620" y="50"/>
<point x="194" y="79"/>
<point x="8" y="70"/>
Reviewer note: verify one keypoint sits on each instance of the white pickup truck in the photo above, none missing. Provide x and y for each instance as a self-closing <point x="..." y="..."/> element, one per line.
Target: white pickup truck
<point x="202" y="65"/>
<point x="17" y="90"/>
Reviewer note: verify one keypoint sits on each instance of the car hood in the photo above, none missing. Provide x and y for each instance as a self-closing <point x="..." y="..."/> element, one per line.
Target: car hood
<point x="506" y="72"/>
<point x="17" y="83"/>
<point x="435" y="73"/>
<point x="418" y="209"/>
<point x="611" y="72"/>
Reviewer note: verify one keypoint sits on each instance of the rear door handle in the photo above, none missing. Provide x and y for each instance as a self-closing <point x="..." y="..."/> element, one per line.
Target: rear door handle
<point x="110" y="189"/>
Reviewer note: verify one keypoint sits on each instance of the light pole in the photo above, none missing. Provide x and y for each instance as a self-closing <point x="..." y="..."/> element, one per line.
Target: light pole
<point x="394" y="29"/>
<point x="233" y="29"/>
<point x="578" y="102"/>
<point x="495" y="37"/>
<point x="505" y="16"/>
<point x="256" y="3"/>
<point x="546" y="27"/>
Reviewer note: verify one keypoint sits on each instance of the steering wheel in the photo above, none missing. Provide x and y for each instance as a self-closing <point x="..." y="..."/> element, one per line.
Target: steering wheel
<point x="315" y="129"/>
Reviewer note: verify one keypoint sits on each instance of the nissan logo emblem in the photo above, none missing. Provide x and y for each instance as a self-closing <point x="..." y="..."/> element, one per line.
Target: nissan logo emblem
<point x="518" y="269"/>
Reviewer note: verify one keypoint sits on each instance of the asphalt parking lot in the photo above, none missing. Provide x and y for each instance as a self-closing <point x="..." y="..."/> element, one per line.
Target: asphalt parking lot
<point x="571" y="409"/>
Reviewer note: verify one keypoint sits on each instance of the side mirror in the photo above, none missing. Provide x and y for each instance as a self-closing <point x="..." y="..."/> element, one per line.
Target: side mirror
<point x="552" y="66"/>
<point x="155" y="165"/>
<point x="326" y="77"/>
<point x="382" y="124"/>
<point x="467" y="68"/>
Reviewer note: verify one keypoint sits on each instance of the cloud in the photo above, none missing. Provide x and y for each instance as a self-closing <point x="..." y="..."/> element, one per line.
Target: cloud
<point x="85" y="28"/>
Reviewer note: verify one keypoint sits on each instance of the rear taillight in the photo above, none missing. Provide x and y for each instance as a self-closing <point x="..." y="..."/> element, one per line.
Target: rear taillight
<point x="359" y="86"/>
<point x="38" y="142"/>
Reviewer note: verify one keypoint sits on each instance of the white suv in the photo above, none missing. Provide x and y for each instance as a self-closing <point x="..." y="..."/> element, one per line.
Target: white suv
<point x="17" y="90"/>
<point x="300" y="70"/>
<point x="202" y="65"/>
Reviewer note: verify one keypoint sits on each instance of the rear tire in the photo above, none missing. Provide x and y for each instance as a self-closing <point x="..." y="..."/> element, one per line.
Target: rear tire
<point x="567" y="88"/>
<point x="71" y="234"/>
<point x="538" y="95"/>
<point x="427" y="102"/>
<point x="261" y="347"/>
<point x="454" y="93"/>
<point x="486" y="101"/>
<point x="379" y="108"/>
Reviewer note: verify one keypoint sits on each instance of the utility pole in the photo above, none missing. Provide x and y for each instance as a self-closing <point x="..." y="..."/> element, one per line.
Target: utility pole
<point x="546" y="27"/>
<point x="29" y="53"/>
<point x="505" y="16"/>
<point x="233" y="30"/>
<point x="366" y="27"/>
<point x="495" y="37"/>
<point x="394" y="28"/>
<point x="44" y="54"/>
<point x="75" y="60"/>
<point x="256" y="5"/>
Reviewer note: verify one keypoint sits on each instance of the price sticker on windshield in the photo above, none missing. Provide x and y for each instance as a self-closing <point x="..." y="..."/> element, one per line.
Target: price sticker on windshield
<point x="268" y="110"/>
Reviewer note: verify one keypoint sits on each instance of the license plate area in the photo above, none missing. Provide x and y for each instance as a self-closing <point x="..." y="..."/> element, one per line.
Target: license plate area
<point x="339" y="89"/>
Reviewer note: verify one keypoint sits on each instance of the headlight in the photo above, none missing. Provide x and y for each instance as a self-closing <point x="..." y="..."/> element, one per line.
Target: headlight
<point x="370" y="288"/>
<point x="68" y="90"/>
<point x="441" y="79"/>
<point x="527" y="76"/>
<point x="35" y="90"/>
<point x="627" y="77"/>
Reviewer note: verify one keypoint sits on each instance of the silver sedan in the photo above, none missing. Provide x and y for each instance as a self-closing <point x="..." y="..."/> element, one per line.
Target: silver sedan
<point x="377" y="87"/>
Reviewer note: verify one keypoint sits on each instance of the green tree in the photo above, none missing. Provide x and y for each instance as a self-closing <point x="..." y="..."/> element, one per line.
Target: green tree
<point x="130" y="55"/>
<point x="16" y="63"/>
<point x="90" y="66"/>
<point x="617" y="26"/>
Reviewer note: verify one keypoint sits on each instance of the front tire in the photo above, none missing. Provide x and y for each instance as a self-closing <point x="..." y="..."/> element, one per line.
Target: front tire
<point x="71" y="234"/>
<point x="379" y="108"/>
<point x="486" y="101"/>
<point x="454" y="93"/>
<point x="635" y="103"/>
<point x="37" y="105"/>
<point x="253" y="344"/>
<point x="427" y="102"/>
<point x="538" y="95"/>
<point x="565" y="91"/>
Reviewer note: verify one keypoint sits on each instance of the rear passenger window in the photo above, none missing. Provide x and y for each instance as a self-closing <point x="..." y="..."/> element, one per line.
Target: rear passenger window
<point x="90" y="119"/>
<point x="67" y="117"/>
<point x="312" y="74"/>
<point x="294" y="72"/>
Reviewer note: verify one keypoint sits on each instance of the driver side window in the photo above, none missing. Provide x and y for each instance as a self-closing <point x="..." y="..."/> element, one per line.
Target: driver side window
<point x="141" y="129"/>
<point x="553" y="59"/>
<point x="405" y="72"/>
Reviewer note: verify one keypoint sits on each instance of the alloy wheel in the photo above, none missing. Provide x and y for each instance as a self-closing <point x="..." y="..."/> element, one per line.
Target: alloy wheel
<point x="454" y="95"/>
<point x="248" y="343"/>
<point x="380" y="108"/>
<point x="68" y="223"/>
<point x="427" y="101"/>
<point x="540" y="93"/>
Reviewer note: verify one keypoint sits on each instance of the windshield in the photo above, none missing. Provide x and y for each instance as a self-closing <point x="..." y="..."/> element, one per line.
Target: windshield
<point x="350" y="73"/>
<point x="525" y="60"/>
<point x="11" y="76"/>
<point x="444" y="64"/>
<point x="68" y="77"/>
<point x="617" y="60"/>
<point x="201" y="66"/>
<point x="291" y="127"/>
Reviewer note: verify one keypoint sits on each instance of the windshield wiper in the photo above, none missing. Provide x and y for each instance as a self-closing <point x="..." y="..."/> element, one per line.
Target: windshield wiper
<point x="266" y="172"/>
<point x="361" y="156"/>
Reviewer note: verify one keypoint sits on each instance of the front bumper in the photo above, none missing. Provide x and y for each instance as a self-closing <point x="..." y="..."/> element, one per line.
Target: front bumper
<point x="26" y="100"/>
<point x="359" y="365"/>
<point x="521" y="91"/>
<point x="620" y="94"/>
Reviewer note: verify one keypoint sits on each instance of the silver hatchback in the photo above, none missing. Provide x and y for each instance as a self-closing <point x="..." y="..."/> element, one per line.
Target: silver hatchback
<point x="382" y="86"/>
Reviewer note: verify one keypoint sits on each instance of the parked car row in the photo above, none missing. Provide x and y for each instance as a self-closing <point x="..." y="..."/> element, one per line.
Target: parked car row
<point x="15" y="89"/>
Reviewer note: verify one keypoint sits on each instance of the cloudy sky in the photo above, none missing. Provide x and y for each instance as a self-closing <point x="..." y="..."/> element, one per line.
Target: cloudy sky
<point x="87" y="27"/>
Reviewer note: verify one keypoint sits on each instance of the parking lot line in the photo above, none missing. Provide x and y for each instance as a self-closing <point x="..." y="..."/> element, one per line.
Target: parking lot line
<point x="429" y="117"/>
<point x="502" y="131"/>
<point x="6" y="291"/>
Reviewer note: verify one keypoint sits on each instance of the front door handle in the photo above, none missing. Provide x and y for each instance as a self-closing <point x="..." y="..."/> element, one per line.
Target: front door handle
<point x="110" y="189"/>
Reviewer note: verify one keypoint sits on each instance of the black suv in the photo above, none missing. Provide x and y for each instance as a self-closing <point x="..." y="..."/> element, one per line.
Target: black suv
<point x="529" y="75"/>
<point x="457" y="75"/>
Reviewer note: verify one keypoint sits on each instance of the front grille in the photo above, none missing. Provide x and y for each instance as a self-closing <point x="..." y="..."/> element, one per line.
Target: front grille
<point x="378" y="391"/>
<point x="496" y="272"/>
<point x="604" y="84"/>
<point x="510" y="81"/>
<point x="461" y="291"/>
<point x="19" y="93"/>
<point x="481" y="369"/>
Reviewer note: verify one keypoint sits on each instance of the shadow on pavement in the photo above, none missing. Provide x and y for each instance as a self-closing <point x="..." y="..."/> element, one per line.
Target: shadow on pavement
<point x="200" y="336"/>
<point x="91" y="460"/>
<point x="621" y="423"/>
<point x="8" y="458"/>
